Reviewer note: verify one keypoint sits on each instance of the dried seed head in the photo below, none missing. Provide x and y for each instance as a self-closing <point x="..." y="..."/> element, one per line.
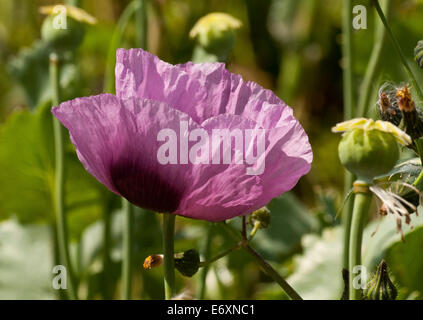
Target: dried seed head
<point x="405" y="100"/>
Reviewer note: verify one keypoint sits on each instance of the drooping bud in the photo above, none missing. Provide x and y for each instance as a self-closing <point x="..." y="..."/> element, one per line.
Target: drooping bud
<point x="153" y="261"/>
<point x="215" y="34"/>
<point x="188" y="262"/>
<point x="368" y="148"/>
<point x="413" y="122"/>
<point x="418" y="53"/>
<point x="381" y="286"/>
<point x="261" y="216"/>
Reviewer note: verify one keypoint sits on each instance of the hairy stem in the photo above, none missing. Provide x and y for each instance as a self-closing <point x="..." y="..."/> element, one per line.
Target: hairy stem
<point x="398" y="50"/>
<point x="168" y="255"/>
<point x="267" y="268"/>
<point x="141" y="24"/>
<point x="62" y="228"/>
<point x="373" y="66"/>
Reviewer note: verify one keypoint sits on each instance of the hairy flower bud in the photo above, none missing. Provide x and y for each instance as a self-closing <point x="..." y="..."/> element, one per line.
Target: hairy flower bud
<point x="418" y="53"/>
<point x="368" y="148"/>
<point x="381" y="286"/>
<point x="188" y="262"/>
<point x="387" y="105"/>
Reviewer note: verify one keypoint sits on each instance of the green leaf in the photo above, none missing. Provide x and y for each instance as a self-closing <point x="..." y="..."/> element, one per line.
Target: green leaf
<point x="317" y="274"/>
<point x="27" y="175"/>
<point x="26" y="262"/>
<point x="289" y="221"/>
<point x="31" y="70"/>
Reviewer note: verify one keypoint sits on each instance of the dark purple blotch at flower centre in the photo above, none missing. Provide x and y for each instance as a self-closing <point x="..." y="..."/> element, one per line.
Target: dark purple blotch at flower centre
<point x="144" y="187"/>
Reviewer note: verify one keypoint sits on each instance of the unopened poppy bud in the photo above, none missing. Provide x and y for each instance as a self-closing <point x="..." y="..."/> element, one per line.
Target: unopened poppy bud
<point x="63" y="28"/>
<point x="368" y="148"/>
<point x="381" y="286"/>
<point x="188" y="262"/>
<point x="215" y="33"/>
<point x="261" y="217"/>
<point x="413" y="122"/>
<point x="418" y="53"/>
<point x="153" y="261"/>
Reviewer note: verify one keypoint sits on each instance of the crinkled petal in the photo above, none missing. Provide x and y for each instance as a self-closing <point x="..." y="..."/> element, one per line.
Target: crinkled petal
<point x="201" y="90"/>
<point x="220" y="191"/>
<point x="116" y="141"/>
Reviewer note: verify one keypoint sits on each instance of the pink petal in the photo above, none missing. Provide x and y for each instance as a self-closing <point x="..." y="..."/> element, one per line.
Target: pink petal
<point x="116" y="141"/>
<point x="201" y="90"/>
<point x="229" y="191"/>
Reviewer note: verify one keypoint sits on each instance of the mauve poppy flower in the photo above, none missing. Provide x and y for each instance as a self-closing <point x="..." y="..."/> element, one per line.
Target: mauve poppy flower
<point x="118" y="138"/>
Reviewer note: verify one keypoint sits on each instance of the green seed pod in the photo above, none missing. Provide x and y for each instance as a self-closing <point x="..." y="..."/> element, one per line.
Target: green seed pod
<point x="381" y="286"/>
<point x="60" y="39"/>
<point x="188" y="262"/>
<point x="369" y="148"/>
<point x="368" y="153"/>
<point x="418" y="53"/>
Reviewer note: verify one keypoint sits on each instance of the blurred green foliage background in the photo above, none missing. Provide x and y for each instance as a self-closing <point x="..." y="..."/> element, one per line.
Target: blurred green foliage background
<point x="289" y="46"/>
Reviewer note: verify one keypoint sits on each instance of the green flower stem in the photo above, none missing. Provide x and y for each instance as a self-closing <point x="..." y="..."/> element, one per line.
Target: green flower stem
<point x="128" y="217"/>
<point x="362" y="201"/>
<point x="141" y="24"/>
<point x="399" y="50"/>
<point x="62" y="229"/>
<point x="206" y="253"/>
<point x="346" y="222"/>
<point x="256" y="227"/>
<point x="374" y="63"/>
<point x="168" y="255"/>
<point x="109" y="77"/>
<point x="107" y="226"/>
<point x="268" y="269"/>
<point x="347" y="52"/>
<point x="224" y="253"/>
<point x="348" y="92"/>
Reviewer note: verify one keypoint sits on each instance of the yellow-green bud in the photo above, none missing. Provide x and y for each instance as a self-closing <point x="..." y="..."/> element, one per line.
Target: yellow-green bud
<point x="215" y="32"/>
<point x="369" y="149"/>
<point x="62" y="39"/>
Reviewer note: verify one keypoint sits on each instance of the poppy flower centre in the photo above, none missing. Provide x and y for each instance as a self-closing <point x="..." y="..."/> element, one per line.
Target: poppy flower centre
<point x="144" y="187"/>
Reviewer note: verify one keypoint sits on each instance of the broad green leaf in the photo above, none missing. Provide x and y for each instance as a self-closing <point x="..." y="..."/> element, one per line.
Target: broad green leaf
<point x="27" y="174"/>
<point x="317" y="274"/>
<point x="26" y="261"/>
<point x="290" y="220"/>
